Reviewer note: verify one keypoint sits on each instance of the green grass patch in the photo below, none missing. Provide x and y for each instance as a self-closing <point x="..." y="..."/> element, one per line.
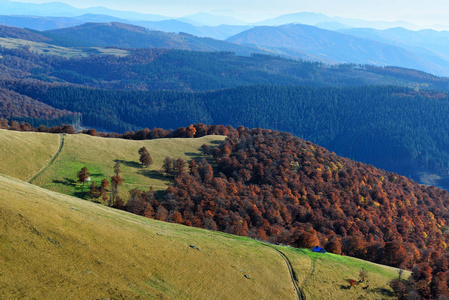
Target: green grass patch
<point x="99" y="155"/>
<point x="325" y="276"/>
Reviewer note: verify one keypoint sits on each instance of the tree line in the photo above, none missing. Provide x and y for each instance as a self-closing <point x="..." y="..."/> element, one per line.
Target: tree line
<point x="393" y="128"/>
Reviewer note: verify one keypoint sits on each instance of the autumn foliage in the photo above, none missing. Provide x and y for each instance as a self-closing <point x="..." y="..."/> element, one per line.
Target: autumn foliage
<point x="274" y="186"/>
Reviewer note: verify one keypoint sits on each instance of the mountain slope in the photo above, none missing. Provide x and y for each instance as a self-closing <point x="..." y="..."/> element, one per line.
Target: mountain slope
<point x="220" y="32"/>
<point x="56" y="246"/>
<point x="437" y="41"/>
<point x="272" y="185"/>
<point x="24" y="34"/>
<point x="156" y="69"/>
<point x="13" y="105"/>
<point x="39" y="150"/>
<point x="130" y="36"/>
<point x="39" y="23"/>
<point x="298" y="40"/>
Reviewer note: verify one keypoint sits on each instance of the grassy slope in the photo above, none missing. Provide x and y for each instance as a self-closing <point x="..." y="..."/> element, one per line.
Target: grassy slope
<point x="55" y="246"/>
<point x="326" y="276"/>
<point x="44" y="48"/>
<point x="41" y="48"/>
<point x="98" y="154"/>
<point x="23" y="153"/>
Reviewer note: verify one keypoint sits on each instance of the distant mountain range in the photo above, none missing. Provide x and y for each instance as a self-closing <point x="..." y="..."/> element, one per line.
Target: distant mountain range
<point x="437" y="41"/>
<point x="304" y="35"/>
<point x="305" y="41"/>
<point x="40" y="23"/>
<point x="129" y="36"/>
<point x="58" y="9"/>
<point x="315" y="19"/>
<point x="372" y="47"/>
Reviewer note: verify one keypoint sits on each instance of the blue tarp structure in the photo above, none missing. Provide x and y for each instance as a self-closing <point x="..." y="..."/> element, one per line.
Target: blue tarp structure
<point x="318" y="249"/>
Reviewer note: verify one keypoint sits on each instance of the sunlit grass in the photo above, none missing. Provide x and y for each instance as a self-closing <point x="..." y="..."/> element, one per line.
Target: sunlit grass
<point x="24" y="153"/>
<point x="99" y="155"/>
<point x="325" y="276"/>
<point x="54" y="246"/>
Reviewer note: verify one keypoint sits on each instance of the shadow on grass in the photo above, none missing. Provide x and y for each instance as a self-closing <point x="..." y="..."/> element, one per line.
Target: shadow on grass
<point x="66" y="182"/>
<point x="194" y="155"/>
<point x="152" y="174"/>
<point x="81" y="194"/>
<point x="216" y="142"/>
<point x="382" y="291"/>
<point x="97" y="175"/>
<point x="129" y="163"/>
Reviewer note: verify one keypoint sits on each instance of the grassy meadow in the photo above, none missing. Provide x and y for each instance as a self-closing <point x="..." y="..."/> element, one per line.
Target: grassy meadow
<point x="48" y="49"/>
<point x="26" y="153"/>
<point x="55" y="246"/>
<point x="40" y="48"/>
<point x="325" y="276"/>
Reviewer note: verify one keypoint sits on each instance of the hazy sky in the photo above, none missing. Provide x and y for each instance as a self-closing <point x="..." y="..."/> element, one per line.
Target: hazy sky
<point x="418" y="11"/>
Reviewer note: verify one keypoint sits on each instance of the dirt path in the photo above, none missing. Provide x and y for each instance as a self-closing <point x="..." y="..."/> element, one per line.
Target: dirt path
<point x="299" y="293"/>
<point x="61" y="145"/>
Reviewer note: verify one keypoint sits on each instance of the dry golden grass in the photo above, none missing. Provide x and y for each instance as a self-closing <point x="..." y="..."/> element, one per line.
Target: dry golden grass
<point x="24" y="153"/>
<point x="54" y="246"/>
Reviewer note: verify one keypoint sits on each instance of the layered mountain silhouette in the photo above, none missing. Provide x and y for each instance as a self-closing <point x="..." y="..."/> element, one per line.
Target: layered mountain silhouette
<point x="304" y="41"/>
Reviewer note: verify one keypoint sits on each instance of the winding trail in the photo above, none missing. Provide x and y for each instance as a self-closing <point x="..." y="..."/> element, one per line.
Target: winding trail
<point x="299" y="293"/>
<point x="61" y="145"/>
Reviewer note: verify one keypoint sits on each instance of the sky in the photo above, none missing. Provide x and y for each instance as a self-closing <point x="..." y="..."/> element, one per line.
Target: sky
<point x="417" y="11"/>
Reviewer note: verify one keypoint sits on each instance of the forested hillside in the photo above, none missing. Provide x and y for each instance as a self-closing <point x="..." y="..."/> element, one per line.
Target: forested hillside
<point x="273" y="186"/>
<point x="156" y="69"/>
<point x="13" y="105"/>
<point x="393" y="128"/>
<point x="24" y="34"/>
